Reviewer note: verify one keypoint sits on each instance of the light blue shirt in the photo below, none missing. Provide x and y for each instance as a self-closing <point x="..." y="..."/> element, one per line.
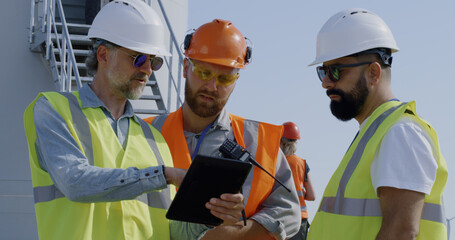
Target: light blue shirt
<point x="59" y="155"/>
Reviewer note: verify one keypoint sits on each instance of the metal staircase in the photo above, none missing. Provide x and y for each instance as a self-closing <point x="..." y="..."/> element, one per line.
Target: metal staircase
<point x="65" y="47"/>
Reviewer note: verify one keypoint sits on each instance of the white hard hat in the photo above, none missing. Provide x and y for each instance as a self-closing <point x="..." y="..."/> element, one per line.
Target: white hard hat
<point x="352" y="31"/>
<point x="131" y="24"/>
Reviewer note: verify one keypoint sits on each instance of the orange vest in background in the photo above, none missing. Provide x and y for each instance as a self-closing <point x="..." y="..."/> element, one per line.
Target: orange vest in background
<point x="298" y="168"/>
<point x="265" y="136"/>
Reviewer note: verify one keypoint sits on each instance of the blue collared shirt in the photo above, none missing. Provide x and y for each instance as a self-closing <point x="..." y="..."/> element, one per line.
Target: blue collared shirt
<point x="59" y="155"/>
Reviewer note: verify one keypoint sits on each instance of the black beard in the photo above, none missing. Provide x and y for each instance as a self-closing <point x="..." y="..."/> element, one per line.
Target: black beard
<point x="351" y="103"/>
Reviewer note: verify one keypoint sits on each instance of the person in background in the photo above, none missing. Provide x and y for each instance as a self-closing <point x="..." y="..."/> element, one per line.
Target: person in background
<point x="99" y="171"/>
<point x="215" y="53"/>
<point x="301" y="174"/>
<point x="390" y="182"/>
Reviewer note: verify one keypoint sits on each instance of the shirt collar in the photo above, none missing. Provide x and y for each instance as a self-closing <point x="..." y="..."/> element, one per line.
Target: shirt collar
<point x="223" y="121"/>
<point x="90" y="100"/>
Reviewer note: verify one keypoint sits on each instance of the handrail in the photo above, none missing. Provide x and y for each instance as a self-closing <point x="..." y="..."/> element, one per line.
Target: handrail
<point x="67" y="41"/>
<point x="32" y="22"/>
<point x="65" y="48"/>
<point x="60" y="43"/>
<point x="168" y="63"/>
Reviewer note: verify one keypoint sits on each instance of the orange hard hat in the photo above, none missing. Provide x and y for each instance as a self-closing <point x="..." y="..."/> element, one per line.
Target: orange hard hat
<point x="218" y="42"/>
<point x="291" y="130"/>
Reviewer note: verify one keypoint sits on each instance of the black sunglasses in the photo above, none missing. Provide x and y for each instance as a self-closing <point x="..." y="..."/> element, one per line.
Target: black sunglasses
<point x="334" y="70"/>
<point x="140" y="59"/>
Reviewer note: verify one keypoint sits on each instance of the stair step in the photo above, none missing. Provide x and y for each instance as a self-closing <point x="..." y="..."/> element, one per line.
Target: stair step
<point x="150" y="83"/>
<point x="83" y="79"/>
<point x="77" y="52"/>
<point x="74" y="25"/>
<point x="149" y="111"/>
<point x="79" y="65"/>
<point x="150" y="97"/>
<point x="74" y="28"/>
<point x="89" y="79"/>
<point x="75" y="39"/>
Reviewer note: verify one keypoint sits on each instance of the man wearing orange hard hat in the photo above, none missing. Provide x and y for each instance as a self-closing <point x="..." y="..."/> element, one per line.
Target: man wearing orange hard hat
<point x="216" y="52"/>
<point x="301" y="173"/>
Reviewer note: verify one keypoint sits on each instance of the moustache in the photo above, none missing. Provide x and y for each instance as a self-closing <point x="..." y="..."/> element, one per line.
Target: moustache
<point x="141" y="76"/>
<point x="334" y="92"/>
<point x="213" y="94"/>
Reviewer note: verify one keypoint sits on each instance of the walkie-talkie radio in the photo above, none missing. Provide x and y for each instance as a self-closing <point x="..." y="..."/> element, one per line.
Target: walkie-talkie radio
<point x="232" y="150"/>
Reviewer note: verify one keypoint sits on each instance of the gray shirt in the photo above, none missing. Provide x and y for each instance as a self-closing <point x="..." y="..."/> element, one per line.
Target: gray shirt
<point x="279" y="213"/>
<point x="59" y="155"/>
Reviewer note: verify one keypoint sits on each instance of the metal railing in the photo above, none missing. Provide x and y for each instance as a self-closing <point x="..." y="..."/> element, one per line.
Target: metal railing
<point x="68" y="64"/>
<point x="173" y="44"/>
<point x="43" y="13"/>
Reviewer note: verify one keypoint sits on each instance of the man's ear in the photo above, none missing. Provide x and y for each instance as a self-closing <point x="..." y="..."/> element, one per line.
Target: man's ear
<point x="102" y="54"/>
<point x="374" y="72"/>
<point x="185" y="67"/>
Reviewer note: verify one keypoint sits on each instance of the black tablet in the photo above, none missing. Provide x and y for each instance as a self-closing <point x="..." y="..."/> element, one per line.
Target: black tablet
<point x="207" y="177"/>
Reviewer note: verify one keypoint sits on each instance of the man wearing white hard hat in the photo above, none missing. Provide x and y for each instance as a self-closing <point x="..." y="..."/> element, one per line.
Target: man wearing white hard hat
<point x="99" y="171"/>
<point x="389" y="184"/>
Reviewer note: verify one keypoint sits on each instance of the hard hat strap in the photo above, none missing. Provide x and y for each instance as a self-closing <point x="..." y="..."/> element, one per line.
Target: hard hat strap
<point x="385" y="54"/>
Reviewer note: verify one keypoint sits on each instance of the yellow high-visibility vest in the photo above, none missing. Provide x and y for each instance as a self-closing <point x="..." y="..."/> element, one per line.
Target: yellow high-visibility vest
<point x="60" y="218"/>
<point x="350" y="208"/>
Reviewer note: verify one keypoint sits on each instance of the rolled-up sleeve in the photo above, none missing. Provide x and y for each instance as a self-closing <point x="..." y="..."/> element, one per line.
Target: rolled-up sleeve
<point x="280" y="212"/>
<point x="59" y="155"/>
<point x="187" y="231"/>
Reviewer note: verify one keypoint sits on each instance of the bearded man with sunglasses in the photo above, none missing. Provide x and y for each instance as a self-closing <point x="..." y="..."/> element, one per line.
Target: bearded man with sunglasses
<point x="99" y="171"/>
<point x="390" y="183"/>
<point x="215" y="53"/>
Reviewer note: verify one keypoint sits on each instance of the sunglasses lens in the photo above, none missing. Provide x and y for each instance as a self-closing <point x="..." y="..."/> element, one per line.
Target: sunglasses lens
<point x="321" y="73"/>
<point x="157" y="62"/>
<point x="334" y="74"/>
<point x="139" y="60"/>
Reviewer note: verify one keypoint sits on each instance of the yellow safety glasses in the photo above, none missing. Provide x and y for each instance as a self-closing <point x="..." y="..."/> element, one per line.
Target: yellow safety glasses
<point x="205" y="74"/>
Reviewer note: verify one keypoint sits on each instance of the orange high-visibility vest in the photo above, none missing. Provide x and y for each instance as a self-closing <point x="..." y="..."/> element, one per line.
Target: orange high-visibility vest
<point x="298" y="168"/>
<point x="265" y="136"/>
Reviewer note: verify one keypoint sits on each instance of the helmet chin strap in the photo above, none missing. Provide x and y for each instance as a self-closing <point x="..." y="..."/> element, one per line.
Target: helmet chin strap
<point x="385" y="54"/>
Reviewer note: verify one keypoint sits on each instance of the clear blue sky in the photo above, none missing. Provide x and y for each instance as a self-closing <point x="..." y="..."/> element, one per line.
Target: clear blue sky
<point x="278" y="85"/>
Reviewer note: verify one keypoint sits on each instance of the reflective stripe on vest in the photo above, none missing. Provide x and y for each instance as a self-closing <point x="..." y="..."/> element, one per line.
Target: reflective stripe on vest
<point x="81" y="126"/>
<point x="248" y="138"/>
<point x="156" y="199"/>
<point x="368" y="207"/>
